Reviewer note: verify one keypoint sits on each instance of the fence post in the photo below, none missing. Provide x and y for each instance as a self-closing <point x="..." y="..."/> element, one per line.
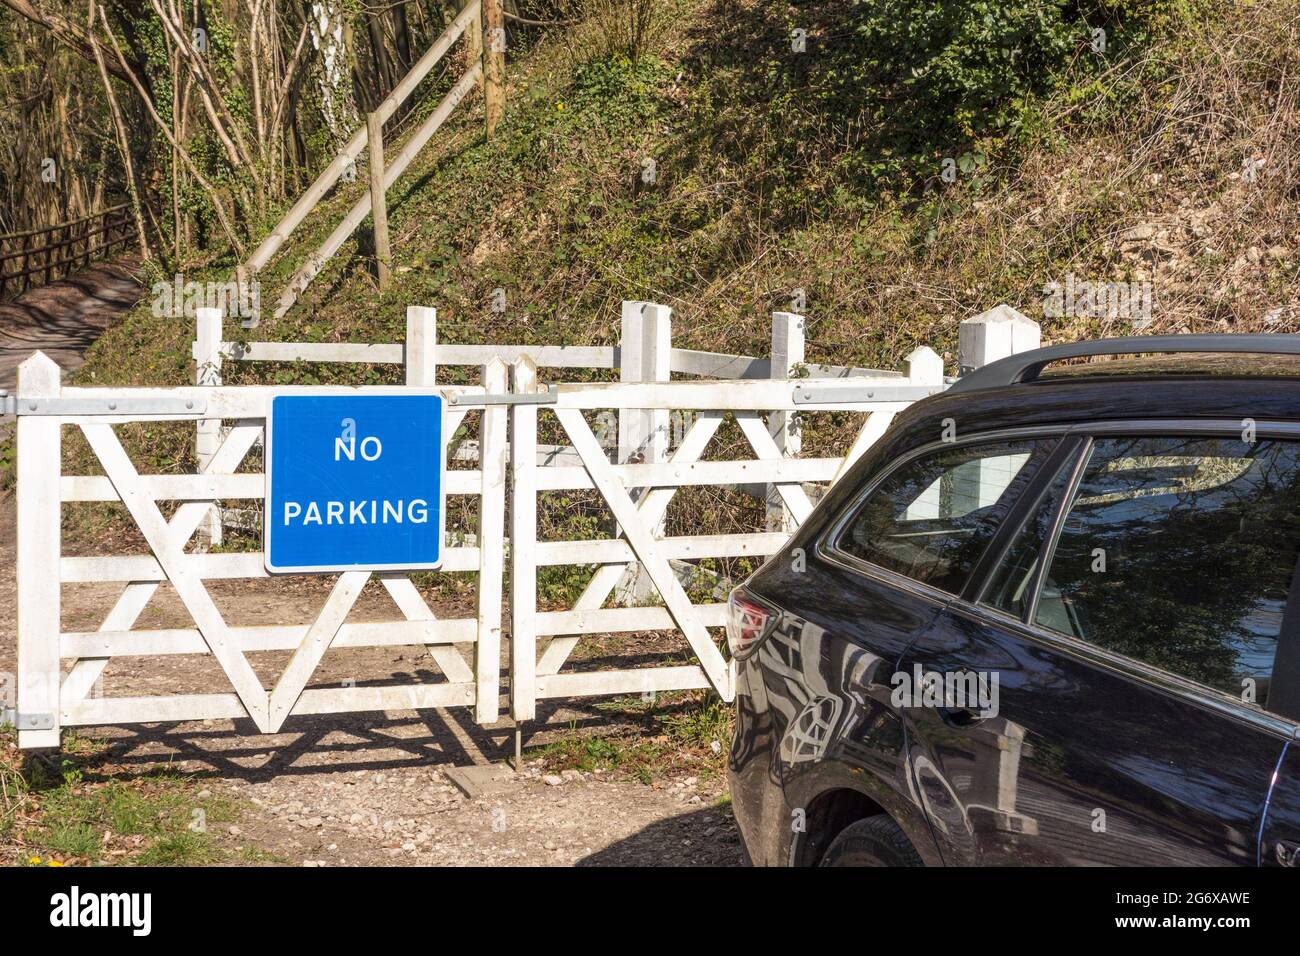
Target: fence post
<point x="378" y="199"/>
<point x="995" y="334"/>
<point x="992" y="335"/>
<point x="494" y="63"/>
<point x="630" y="348"/>
<point x="656" y="356"/>
<point x="207" y="438"/>
<point x="49" y="252"/>
<point x="39" y="534"/>
<point x="924" y="366"/>
<point x="420" y="353"/>
<point x="491" y="531"/>
<point x="523" y="540"/>
<point x="474" y="37"/>
<point x="645" y="356"/>
<point x="787" y="352"/>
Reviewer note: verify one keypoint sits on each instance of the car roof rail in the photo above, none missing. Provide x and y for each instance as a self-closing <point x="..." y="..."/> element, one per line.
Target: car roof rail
<point x="1027" y="366"/>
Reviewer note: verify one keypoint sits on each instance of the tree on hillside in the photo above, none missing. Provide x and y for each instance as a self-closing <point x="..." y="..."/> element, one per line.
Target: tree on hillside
<point x="207" y="117"/>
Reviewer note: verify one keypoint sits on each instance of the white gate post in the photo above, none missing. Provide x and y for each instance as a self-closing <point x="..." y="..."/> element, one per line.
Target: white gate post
<point x="629" y="370"/>
<point x="632" y="425"/>
<point x="993" y="335"/>
<point x="491" y="536"/>
<point x="207" y="371"/>
<point x="39" y="534"/>
<point x="420" y="354"/>
<point x="523" y="543"/>
<point x="643" y="434"/>
<point x="645" y="355"/>
<point x="657" y="354"/>
<point x="787" y="352"/>
<point x="923" y="366"/>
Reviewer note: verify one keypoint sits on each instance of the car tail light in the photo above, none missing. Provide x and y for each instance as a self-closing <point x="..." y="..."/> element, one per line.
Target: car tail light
<point x="748" y="622"/>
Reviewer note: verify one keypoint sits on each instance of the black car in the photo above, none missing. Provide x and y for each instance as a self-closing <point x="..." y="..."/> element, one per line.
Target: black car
<point x="1052" y="617"/>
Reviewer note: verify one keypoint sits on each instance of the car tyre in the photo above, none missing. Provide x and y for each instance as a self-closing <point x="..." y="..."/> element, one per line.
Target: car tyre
<point x="875" y="841"/>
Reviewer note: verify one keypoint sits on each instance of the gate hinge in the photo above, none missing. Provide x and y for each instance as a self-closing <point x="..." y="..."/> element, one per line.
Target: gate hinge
<point x="10" y="715"/>
<point x="104" y="406"/>
<point x="853" y="394"/>
<point x="547" y="397"/>
<point x="6" y="403"/>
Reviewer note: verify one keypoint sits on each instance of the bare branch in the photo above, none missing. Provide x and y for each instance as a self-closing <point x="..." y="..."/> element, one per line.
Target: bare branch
<point x="67" y="33"/>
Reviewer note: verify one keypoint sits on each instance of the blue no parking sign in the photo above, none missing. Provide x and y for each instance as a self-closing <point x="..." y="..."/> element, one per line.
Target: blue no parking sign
<point x="354" y="482"/>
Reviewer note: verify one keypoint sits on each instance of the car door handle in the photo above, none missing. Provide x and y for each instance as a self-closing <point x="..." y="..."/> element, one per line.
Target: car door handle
<point x="1287" y="853"/>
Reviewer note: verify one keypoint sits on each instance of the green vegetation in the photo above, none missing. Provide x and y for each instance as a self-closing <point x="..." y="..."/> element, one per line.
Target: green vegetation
<point x="724" y="171"/>
<point x="672" y="732"/>
<point x="850" y="101"/>
<point x="87" y="810"/>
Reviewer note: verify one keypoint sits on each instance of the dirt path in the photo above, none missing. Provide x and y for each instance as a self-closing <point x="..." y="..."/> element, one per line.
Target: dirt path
<point x="373" y="788"/>
<point x="63" y="318"/>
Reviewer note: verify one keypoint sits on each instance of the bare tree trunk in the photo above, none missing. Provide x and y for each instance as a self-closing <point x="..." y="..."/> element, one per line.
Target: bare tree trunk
<point x="67" y="33"/>
<point x="213" y="195"/>
<point x="402" y="31"/>
<point x="123" y="142"/>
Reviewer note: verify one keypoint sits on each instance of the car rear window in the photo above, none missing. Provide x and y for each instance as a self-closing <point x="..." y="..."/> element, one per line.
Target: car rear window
<point x="1175" y="551"/>
<point x="931" y="518"/>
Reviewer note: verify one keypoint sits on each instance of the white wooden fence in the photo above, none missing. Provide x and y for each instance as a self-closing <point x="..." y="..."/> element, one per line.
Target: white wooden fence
<point x="640" y="539"/>
<point x="644" y="354"/>
<point x="48" y="701"/>
<point x="49" y="698"/>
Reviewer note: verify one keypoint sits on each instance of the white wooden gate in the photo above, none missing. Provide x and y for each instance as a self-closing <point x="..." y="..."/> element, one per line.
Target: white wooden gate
<point x="758" y="407"/>
<point x="636" y="492"/>
<point x="49" y="698"/>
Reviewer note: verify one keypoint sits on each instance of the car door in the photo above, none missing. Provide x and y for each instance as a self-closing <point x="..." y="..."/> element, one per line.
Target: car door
<point x="1123" y="634"/>
<point x="892" y="559"/>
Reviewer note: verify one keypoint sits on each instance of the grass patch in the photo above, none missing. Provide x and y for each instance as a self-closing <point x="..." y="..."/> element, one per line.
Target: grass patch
<point x="82" y="809"/>
<point x="687" y="731"/>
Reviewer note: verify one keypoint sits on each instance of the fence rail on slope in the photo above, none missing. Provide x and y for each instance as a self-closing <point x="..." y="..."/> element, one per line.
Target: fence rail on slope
<point x="477" y="19"/>
<point x="44" y="255"/>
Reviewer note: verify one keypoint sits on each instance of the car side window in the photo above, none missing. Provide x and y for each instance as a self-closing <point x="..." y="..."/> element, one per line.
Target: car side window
<point x="932" y="518"/>
<point x="1011" y="585"/>
<point x="1175" y="551"/>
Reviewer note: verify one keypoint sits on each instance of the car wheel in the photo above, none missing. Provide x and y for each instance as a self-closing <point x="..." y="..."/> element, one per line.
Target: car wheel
<point x="875" y="841"/>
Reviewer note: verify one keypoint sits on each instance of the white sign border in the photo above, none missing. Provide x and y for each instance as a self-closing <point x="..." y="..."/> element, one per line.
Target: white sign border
<point x="370" y="392"/>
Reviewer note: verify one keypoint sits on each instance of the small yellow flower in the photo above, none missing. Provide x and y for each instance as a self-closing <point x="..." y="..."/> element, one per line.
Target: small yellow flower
<point x="33" y="860"/>
<point x="559" y="106"/>
<point x="54" y="863"/>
